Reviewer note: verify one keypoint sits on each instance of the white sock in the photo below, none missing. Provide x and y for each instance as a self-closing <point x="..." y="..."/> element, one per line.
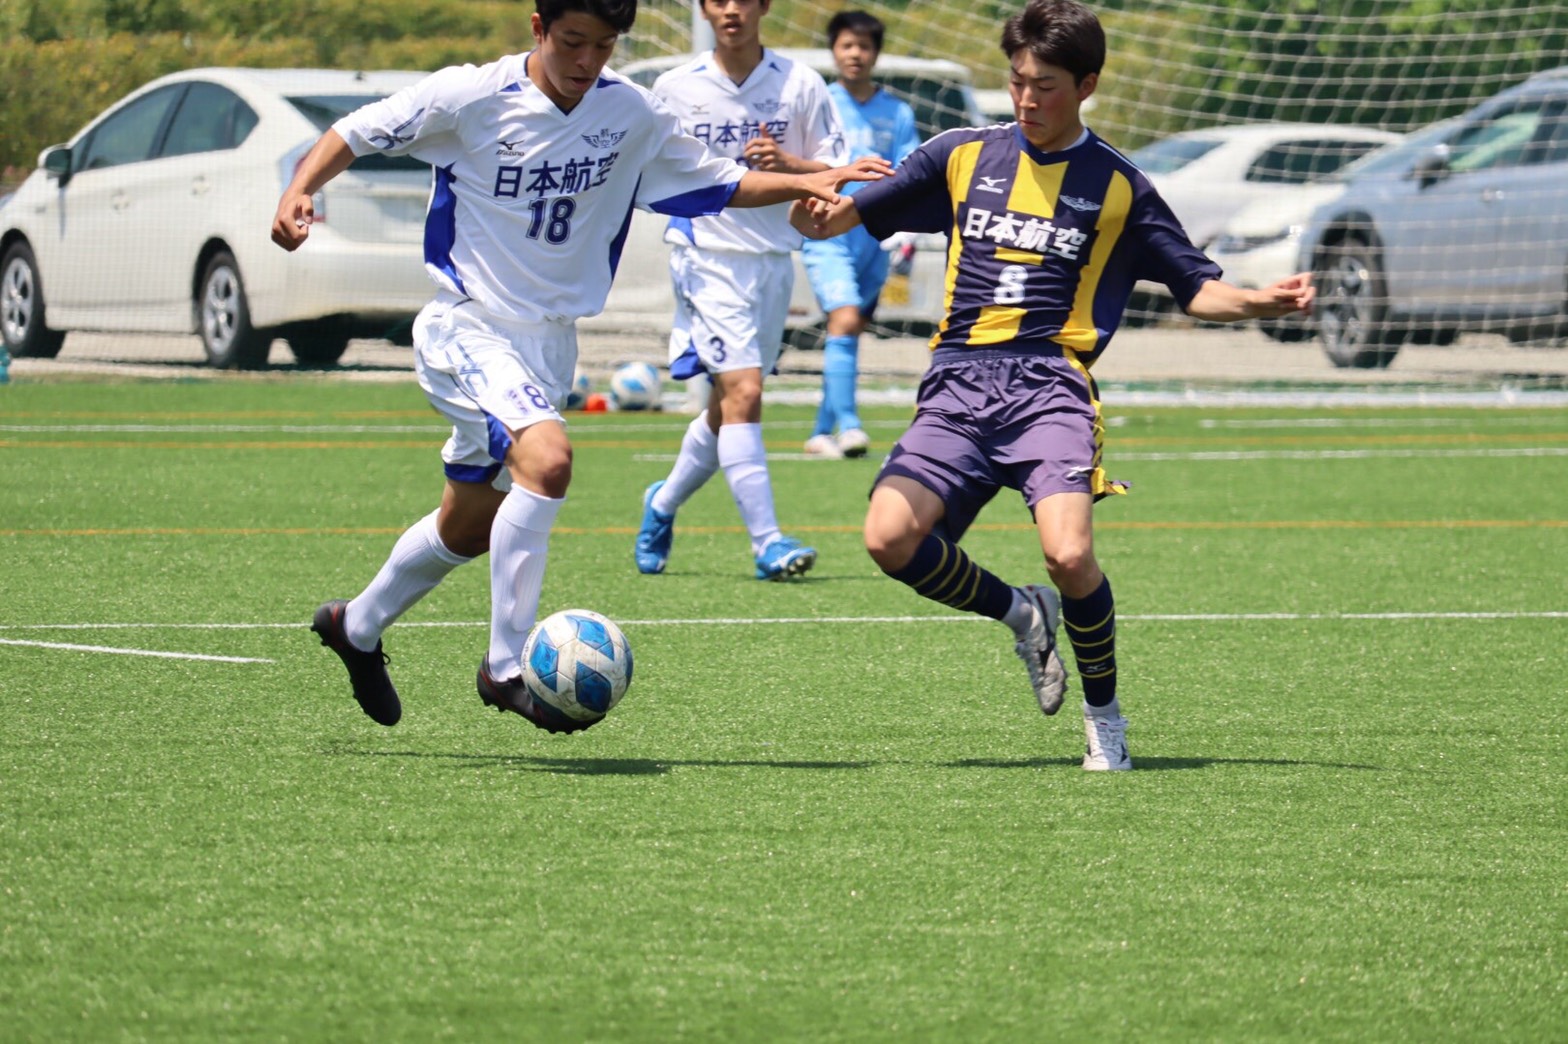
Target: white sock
<point x="745" y="465"/>
<point x="1110" y="710"/>
<point x="418" y="562"/>
<point x="695" y="465"/>
<point x="519" y="541"/>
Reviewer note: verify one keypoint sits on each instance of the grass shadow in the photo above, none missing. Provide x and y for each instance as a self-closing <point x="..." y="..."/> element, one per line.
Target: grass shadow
<point x="593" y="766"/>
<point x="1148" y="764"/>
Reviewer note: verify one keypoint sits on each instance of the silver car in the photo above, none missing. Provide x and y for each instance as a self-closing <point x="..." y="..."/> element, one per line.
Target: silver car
<point x="1472" y="237"/>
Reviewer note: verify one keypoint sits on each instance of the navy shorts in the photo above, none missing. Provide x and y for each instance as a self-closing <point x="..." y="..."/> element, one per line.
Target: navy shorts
<point x="994" y="419"/>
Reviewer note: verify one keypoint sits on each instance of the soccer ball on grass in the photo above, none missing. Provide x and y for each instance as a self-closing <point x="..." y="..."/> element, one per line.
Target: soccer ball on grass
<point x="635" y="386"/>
<point x="577" y="666"/>
<point x="582" y="387"/>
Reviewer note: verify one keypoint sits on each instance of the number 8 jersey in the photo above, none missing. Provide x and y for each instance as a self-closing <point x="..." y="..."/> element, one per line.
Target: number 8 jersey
<point x="530" y="206"/>
<point x="1043" y="248"/>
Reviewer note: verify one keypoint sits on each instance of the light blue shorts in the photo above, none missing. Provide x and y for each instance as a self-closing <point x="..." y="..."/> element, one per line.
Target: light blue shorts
<point x="846" y="270"/>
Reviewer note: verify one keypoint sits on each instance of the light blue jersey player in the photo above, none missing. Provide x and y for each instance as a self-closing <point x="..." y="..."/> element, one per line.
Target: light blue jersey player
<point x="847" y="272"/>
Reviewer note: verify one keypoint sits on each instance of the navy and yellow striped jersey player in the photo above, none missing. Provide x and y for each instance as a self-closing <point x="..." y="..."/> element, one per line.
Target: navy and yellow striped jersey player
<point x="1049" y="228"/>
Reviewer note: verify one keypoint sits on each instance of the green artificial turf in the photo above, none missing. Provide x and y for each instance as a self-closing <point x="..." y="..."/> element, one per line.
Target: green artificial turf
<point x="1341" y="647"/>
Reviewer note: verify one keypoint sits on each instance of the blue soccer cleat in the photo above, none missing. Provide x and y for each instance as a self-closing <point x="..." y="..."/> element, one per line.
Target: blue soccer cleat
<point x="783" y="558"/>
<point x="655" y="536"/>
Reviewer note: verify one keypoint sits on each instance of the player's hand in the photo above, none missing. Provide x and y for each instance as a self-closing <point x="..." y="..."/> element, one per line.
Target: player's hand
<point x="1291" y="294"/>
<point x="764" y="153"/>
<point x="291" y="225"/>
<point x="804" y="218"/>
<point x="866" y="168"/>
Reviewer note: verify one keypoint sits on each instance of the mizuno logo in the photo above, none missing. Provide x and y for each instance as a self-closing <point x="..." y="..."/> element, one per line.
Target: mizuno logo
<point x="1080" y="204"/>
<point x="605" y="139"/>
<point x="512" y="145"/>
<point x="992" y="185"/>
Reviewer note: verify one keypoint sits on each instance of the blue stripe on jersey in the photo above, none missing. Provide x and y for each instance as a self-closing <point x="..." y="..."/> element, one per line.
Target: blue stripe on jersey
<point x="682" y="226"/>
<point x="441" y="227"/>
<point x="619" y="242"/>
<point x="697" y="202"/>
<point x="512" y="88"/>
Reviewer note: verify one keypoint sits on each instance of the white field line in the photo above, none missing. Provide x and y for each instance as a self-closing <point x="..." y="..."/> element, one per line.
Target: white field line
<point x="134" y="652"/>
<point x="772" y="621"/>
<point x="1245" y="455"/>
<point x="1469" y="422"/>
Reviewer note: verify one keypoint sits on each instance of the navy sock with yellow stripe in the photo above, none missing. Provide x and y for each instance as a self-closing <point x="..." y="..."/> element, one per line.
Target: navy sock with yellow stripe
<point x="942" y="572"/>
<point x="1091" y="627"/>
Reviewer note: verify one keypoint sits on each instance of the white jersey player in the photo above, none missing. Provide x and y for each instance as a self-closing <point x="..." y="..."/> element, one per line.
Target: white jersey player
<point x="733" y="275"/>
<point x="538" y="160"/>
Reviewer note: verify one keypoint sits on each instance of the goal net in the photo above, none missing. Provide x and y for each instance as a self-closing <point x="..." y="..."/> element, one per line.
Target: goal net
<point x="1394" y="66"/>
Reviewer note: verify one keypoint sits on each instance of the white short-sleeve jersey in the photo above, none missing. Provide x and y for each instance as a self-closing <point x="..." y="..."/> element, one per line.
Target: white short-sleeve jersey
<point x="790" y="101"/>
<point x="530" y="205"/>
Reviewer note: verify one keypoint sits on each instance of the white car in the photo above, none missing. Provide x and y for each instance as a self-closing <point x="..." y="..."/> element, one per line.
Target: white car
<point x="941" y="94"/>
<point x="156" y="217"/>
<point x="1261" y="244"/>
<point x="1207" y="176"/>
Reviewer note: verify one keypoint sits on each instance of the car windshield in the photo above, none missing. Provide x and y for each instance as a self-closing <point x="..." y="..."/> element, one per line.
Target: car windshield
<point x="1171" y="154"/>
<point x="324" y="110"/>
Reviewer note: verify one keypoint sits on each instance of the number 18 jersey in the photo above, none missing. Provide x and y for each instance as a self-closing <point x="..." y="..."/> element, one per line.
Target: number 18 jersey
<point x="530" y="205"/>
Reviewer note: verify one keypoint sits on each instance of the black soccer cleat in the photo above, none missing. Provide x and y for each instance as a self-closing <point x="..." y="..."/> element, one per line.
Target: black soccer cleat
<point x="367" y="671"/>
<point x="512" y="695"/>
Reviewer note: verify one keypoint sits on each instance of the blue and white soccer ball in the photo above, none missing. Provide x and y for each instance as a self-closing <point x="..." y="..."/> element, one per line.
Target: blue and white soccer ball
<point x="577" y="665"/>
<point x="636" y="386"/>
<point x="577" y="397"/>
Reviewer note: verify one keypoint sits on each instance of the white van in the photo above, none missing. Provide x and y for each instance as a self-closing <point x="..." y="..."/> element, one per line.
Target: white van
<point x="942" y="95"/>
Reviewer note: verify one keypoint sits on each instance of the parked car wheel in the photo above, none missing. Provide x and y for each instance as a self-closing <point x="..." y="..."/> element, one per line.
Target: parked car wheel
<point x="1352" y="306"/>
<point x="227" y="336"/>
<point x="320" y="343"/>
<point x="22" y="307"/>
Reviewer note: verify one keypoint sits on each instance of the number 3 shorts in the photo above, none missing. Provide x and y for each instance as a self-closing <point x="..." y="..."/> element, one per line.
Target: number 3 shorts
<point x="729" y="310"/>
<point x="489" y="377"/>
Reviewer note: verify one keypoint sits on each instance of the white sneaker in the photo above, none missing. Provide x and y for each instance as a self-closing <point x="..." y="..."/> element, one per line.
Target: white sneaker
<point x="853" y="442"/>
<point x="823" y="447"/>
<point x="1107" y="750"/>
<point x="1037" y="648"/>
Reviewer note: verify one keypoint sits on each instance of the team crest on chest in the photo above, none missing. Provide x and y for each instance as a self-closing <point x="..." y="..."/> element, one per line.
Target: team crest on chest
<point x="1080" y="204"/>
<point x="605" y="139"/>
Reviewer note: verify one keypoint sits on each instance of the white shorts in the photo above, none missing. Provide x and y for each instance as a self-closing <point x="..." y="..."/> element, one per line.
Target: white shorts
<point x="489" y="377"/>
<point x="729" y="310"/>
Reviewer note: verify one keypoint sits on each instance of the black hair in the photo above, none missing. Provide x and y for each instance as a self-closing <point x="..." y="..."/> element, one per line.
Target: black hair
<point x="1063" y="33"/>
<point x="856" y="22"/>
<point x="617" y="14"/>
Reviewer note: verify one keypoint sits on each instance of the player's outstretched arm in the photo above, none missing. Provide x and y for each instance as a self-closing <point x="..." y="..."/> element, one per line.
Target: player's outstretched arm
<point x="328" y="158"/>
<point x="760" y="188"/>
<point x="818" y="219"/>
<point x="1220" y="302"/>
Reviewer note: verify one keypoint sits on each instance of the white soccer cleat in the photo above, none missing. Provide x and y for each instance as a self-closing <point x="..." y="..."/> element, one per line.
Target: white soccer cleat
<point x="1107" y="749"/>
<point x="823" y="447"/>
<point x="1037" y="648"/>
<point x="853" y="442"/>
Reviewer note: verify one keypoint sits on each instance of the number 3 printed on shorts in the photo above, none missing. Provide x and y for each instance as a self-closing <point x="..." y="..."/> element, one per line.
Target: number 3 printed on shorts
<point x="1010" y="285"/>
<point x="716" y="349"/>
